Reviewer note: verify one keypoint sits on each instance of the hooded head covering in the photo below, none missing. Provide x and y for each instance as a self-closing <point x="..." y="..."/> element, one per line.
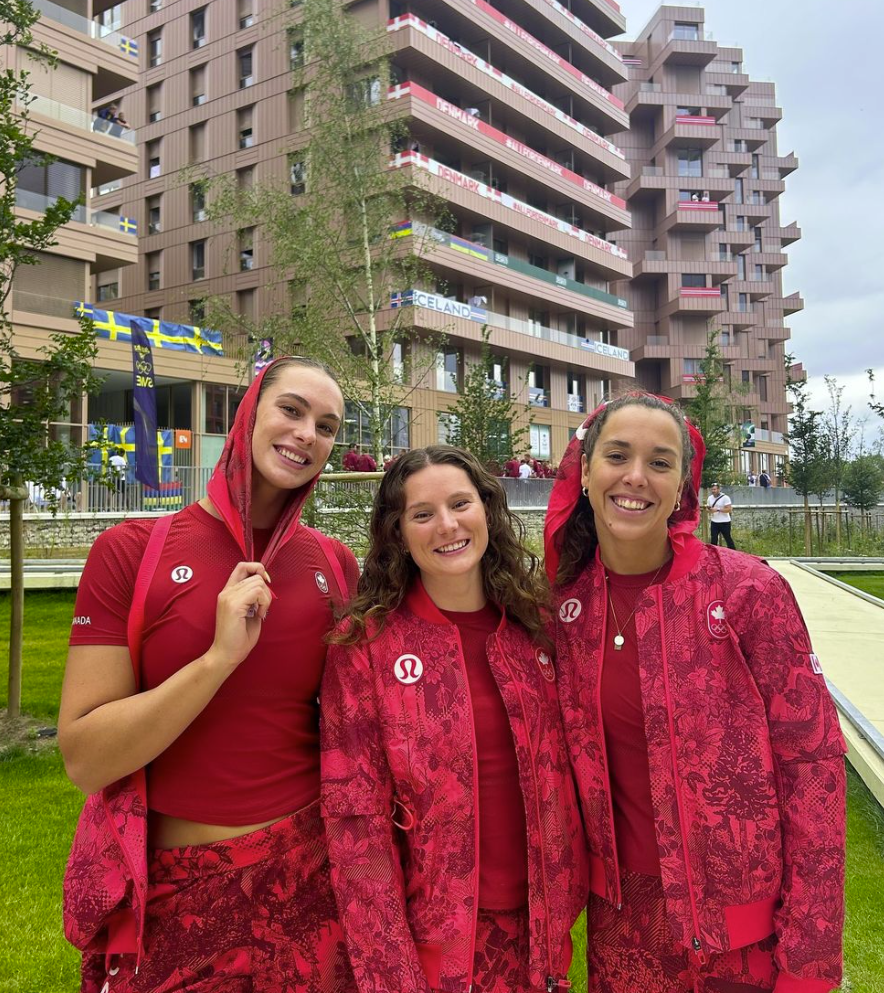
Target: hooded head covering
<point x="230" y="488"/>
<point x="566" y="492"/>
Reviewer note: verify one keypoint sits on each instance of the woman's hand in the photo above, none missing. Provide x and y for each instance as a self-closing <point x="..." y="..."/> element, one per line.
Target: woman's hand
<point x="242" y="607"/>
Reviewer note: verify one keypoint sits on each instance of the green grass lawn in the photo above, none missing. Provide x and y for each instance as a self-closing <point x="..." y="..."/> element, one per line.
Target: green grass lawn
<point x="868" y="582"/>
<point x="38" y="810"/>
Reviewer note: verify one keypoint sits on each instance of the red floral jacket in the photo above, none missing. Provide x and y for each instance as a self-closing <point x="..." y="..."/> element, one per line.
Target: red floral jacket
<point x="745" y="753"/>
<point x="400" y="801"/>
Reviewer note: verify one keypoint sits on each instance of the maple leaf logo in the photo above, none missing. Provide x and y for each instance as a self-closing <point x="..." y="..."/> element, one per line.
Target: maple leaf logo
<point x="718" y="613"/>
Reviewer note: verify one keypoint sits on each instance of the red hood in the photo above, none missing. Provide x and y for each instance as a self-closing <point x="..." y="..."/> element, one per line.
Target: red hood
<point x="566" y="493"/>
<point x="230" y="488"/>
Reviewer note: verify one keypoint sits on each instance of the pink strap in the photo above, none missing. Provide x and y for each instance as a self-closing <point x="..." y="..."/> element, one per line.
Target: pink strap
<point x="328" y="550"/>
<point x="149" y="561"/>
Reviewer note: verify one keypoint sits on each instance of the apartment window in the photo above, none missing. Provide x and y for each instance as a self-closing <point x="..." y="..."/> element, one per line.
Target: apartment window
<point x="196" y="312"/>
<point x="108" y="291"/>
<point x="743" y="303"/>
<point x="244" y="67"/>
<point x="538" y="318"/>
<point x="756" y="167"/>
<point x="740" y="145"/>
<point x="541" y="441"/>
<point x="296" y="49"/>
<point x="197" y="141"/>
<point x="448" y="364"/>
<point x="198" y="86"/>
<point x="245" y="13"/>
<point x="538" y="260"/>
<point x="742" y="225"/>
<point x="758" y="243"/>
<point x="56" y="179"/>
<point x="364" y="92"/>
<point x="538" y="385"/>
<point x="245" y="304"/>
<point x="693" y="279"/>
<point x="760" y="274"/>
<point x="690" y="162"/>
<point x="741" y="267"/>
<point x="745" y="376"/>
<point x="155" y="47"/>
<point x="686" y="32"/>
<point x="399" y="361"/>
<point x="154" y="270"/>
<point x="154" y="103"/>
<point x="246" y="249"/>
<point x="738" y="191"/>
<point x="154" y="5"/>
<point x="724" y="253"/>
<point x="736" y="67"/>
<point x="245" y="135"/>
<point x="447" y="426"/>
<point x="154" y="161"/>
<point x="198" y="201"/>
<point x="245" y="178"/>
<point x="198" y="259"/>
<point x="761" y="383"/>
<point x="198" y="28"/>
<point x="687" y="111"/>
<point x="298" y="175"/>
<point x="154" y="214"/>
<point x="154" y="313"/>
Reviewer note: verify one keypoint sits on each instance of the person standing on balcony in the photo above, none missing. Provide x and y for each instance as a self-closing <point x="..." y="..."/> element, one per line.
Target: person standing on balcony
<point x="455" y="840"/>
<point x="706" y="747"/>
<point x="189" y="713"/>
<point x="720" y="509"/>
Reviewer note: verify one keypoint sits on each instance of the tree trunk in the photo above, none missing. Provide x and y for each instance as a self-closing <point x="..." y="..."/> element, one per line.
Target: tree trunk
<point x="376" y="419"/>
<point x="808" y="529"/>
<point x="17" y="600"/>
<point x="837" y="519"/>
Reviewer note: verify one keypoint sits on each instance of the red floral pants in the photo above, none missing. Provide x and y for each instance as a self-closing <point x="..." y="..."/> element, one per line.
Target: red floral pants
<point x="632" y="949"/>
<point x="255" y="914"/>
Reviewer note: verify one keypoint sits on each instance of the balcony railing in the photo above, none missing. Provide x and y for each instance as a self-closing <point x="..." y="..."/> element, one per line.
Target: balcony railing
<point x="89" y="28"/>
<point x="576" y="403"/>
<point x="83" y="119"/>
<point x="39" y="202"/>
<point x="697" y="35"/>
<point x="698" y="120"/>
<point x="655" y="256"/>
<point x="650" y="88"/>
<point x="700" y="291"/>
<point x="653" y="171"/>
<point x="537" y="398"/>
<point x="657" y="339"/>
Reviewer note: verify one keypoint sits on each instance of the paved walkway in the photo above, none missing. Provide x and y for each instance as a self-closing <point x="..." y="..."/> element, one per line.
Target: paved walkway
<point x="848" y="636"/>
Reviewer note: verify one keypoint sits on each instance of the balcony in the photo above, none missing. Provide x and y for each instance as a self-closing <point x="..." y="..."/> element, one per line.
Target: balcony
<point x="657" y="264"/>
<point x="488" y="202"/>
<point x="607" y="357"/>
<point x="695" y="300"/>
<point x="428" y="42"/>
<point x="786" y="164"/>
<point x="738" y="238"/>
<point x="685" y="52"/>
<point x="786" y="235"/>
<point x="39" y="203"/>
<point x="792" y="304"/>
<point x="736" y="83"/>
<point x="693" y="215"/>
<point x="451" y="120"/>
<point x="608" y="15"/>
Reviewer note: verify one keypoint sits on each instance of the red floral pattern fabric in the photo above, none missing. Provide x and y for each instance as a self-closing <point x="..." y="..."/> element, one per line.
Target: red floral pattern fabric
<point x="397" y="736"/>
<point x="745" y="753"/>
<point x="502" y="950"/>
<point x="253" y="913"/>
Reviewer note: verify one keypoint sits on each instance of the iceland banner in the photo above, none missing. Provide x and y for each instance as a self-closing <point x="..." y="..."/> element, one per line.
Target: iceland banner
<point x="144" y="402"/>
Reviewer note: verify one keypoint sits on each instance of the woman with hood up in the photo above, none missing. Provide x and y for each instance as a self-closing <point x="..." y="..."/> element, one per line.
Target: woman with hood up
<point x="706" y="747"/>
<point x="189" y="714"/>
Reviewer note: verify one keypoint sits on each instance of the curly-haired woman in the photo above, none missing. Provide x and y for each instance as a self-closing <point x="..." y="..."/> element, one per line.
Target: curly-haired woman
<point x="707" y="751"/>
<point x="455" y="841"/>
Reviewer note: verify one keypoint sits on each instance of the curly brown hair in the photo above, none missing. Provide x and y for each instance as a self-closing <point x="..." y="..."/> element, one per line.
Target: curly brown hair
<point x="579" y="537"/>
<point x="512" y="575"/>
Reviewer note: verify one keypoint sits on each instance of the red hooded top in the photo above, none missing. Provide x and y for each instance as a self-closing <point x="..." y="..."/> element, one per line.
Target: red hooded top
<point x="744" y="746"/>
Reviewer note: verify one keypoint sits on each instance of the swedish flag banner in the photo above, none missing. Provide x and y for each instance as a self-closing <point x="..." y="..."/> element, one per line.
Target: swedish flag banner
<point x="113" y="436"/>
<point x="160" y="334"/>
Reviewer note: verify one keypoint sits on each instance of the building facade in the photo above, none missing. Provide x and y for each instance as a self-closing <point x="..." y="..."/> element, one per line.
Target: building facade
<point x="707" y="242"/>
<point x="511" y="110"/>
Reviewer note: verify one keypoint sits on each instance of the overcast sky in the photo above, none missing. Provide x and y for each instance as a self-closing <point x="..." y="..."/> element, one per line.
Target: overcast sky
<point x="826" y="61"/>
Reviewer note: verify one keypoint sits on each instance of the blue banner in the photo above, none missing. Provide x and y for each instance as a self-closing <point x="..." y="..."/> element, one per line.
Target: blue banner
<point x="162" y="334"/>
<point x="144" y="403"/>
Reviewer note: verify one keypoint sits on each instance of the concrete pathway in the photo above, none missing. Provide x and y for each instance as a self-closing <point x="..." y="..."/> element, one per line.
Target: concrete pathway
<point x="847" y="631"/>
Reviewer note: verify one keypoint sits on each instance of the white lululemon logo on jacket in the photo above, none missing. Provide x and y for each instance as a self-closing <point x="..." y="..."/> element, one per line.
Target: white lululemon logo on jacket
<point x="181" y="574"/>
<point x="408" y="669"/>
<point x="570" y="611"/>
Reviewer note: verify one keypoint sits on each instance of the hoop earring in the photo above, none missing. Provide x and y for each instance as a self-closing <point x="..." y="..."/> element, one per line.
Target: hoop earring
<point x="585" y="492"/>
<point x="677" y="507"/>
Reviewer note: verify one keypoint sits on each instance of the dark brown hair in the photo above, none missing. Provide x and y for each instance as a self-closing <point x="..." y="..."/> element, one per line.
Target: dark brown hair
<point x="511" y="574"/>
<point x="579" y="537"/>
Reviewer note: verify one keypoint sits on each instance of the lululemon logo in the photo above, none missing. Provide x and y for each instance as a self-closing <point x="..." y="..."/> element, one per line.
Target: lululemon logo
<point x="182" y="574"/>
<point x="408" y="669"/>
<point x="545" y="662"/>
<point x="570" y="610"/>
<point x="716" y="620"/>
<point x="815" y="664"/>
<point x="321" y="582"/>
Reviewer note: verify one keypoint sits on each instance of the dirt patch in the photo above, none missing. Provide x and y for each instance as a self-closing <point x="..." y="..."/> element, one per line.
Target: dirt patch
<point x="25" y="734"/>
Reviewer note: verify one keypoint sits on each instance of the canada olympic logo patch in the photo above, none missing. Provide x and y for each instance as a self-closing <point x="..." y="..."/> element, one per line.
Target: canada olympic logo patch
<point x="321" y="582"/>
<point x="182" y="574"/>
<point x="545" y="662"/>
<point x="408" y="669"/>
<point x="716" y="620"/>
<point x="570" y="610"/>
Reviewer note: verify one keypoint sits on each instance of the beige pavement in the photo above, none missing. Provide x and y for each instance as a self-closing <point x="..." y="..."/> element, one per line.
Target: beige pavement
<point x="848" y="636"/>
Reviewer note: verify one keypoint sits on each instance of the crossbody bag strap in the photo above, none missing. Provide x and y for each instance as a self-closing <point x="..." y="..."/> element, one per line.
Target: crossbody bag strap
<point x="146" y="571"/>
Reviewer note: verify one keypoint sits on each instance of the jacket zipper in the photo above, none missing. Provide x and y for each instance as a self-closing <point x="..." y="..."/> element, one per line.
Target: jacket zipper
<point x="463" y="669"/>
<point x="617" y="890"/>
<point x="696" y="944"/>
<point x="551" y="982"/>
<point x="137" y="889"/>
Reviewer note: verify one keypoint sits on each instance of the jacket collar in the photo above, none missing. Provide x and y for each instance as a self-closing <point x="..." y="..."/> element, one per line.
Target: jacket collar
<point x="419" y="602"/>
<point x="685" y="556"/>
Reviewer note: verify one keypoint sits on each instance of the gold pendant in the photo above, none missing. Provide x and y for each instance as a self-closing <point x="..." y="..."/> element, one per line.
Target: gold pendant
<point x="619" y="641"/>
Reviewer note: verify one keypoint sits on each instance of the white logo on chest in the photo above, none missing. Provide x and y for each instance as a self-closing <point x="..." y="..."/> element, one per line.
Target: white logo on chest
<point x="182" y="574"/>
<point x="716" y="620"/>
<point x="545" y="662"/>
<point x="408" y="669"/>
<point x="321" y="582"/>
<point x="570" y="610"/>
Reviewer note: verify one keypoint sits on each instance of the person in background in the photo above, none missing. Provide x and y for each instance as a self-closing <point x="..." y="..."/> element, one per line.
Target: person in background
<point x="351" y="459"/>
<point x="366" y="463"/>
<point x="525" y="470"/>
<point x="764" y="479"/>
<point x="751" y="478"/>
<point x="511" y="469"/>
<point x="720" y="508"/>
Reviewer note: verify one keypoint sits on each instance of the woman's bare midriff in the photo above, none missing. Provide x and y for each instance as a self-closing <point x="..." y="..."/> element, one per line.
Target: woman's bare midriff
<point x="175" y="832"/>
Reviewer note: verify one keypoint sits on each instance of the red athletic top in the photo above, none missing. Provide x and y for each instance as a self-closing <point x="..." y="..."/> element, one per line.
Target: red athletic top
<point x="503" y="844"/>
<point x="624" y="725"/>
<point x="253" y="752"/>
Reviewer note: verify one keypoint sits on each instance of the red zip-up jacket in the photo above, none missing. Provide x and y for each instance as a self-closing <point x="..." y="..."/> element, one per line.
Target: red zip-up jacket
<point x="745" y="753"/>
<point x="399" y="795"/>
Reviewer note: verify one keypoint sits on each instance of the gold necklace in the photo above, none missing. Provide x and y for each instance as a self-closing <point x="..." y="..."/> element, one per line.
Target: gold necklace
<point x="619" y="640"/>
